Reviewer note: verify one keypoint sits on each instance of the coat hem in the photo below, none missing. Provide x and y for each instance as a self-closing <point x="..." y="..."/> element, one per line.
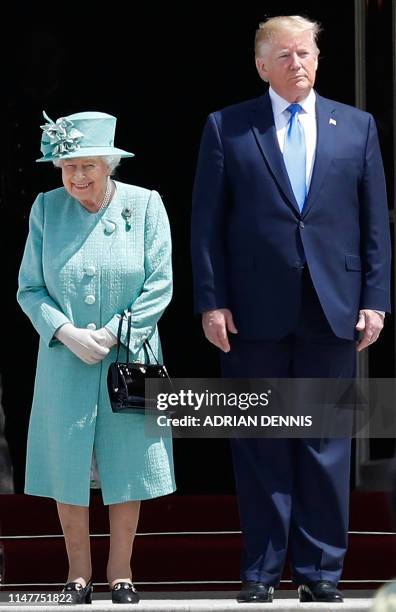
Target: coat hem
<point x="132" y="498"/>
<point x="57" y="499"/>
<point x="105" y="502"/>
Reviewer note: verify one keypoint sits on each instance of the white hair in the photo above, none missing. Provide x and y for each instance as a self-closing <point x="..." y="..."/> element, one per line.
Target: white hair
<point x="294" y="24"/>
<point x="111" y="161"/>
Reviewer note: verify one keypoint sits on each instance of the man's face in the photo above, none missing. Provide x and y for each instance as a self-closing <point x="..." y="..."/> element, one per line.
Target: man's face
<point x="289" y="64"/>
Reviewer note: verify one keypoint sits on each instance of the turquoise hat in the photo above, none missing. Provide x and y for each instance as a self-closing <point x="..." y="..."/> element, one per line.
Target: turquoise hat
<point x="89" y="134"/>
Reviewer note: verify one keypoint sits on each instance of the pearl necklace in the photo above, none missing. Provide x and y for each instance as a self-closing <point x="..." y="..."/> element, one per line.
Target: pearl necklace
<point x="107" y="195"/>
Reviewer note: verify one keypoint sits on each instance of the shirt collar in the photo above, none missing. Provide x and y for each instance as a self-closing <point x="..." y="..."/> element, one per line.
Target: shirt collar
<point x="279" y="104"/>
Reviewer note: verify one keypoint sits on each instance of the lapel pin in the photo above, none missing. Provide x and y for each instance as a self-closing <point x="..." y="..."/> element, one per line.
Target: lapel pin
<point x="127" y="214"/>
<point x="332" y="122"/>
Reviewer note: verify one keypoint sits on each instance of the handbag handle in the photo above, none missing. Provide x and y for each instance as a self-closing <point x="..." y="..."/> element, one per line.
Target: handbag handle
<point x="146" y="343"/>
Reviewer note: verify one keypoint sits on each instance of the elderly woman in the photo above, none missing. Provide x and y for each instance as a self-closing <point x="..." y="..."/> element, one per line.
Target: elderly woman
<point x="95" y="248"/>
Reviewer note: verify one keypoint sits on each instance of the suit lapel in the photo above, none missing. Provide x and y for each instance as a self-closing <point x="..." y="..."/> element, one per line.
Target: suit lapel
<point x="326" y="139"/>
<point x="263" y="126"/>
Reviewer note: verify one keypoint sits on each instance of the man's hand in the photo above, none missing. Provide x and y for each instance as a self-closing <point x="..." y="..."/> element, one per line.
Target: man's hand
<point x="371" y="323"/>
<point x="216" y="324"/>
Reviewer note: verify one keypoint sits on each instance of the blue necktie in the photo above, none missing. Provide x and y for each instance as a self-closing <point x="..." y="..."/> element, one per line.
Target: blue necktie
<point x="294" y="155"/>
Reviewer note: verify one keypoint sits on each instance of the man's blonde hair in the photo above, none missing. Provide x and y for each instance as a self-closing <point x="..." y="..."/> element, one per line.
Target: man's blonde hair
<point x="293" y="24"/>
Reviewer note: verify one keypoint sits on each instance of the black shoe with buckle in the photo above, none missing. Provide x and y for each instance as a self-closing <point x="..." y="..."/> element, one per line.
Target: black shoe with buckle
<point x="76" y="593"/>
<point x="255" y="592"/>
<point x="124" y="593"/>
<point x="322" y="590"/>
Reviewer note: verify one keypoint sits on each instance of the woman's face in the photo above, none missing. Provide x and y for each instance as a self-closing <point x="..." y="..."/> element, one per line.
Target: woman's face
<point x="85" y="178"/>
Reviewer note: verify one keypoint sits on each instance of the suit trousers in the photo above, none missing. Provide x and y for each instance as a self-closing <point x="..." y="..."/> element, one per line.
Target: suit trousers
<point x="293" y="493"/>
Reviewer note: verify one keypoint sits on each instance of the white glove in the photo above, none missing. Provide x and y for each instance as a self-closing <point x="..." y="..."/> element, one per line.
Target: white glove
<point x="82" y="343"/>
<point x="104" y="337"/>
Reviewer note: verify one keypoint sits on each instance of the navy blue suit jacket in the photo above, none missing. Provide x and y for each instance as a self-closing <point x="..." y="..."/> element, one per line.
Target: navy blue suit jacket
<point x="250" y="241"/>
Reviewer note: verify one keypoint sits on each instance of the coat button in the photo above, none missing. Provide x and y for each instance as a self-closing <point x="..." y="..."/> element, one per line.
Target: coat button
<point x="90" y="270"/>
<point x="91" y="326"/>
<point x="301" y="224"/>
<point x="90" y="299"/>
<point x="109" y="226"/>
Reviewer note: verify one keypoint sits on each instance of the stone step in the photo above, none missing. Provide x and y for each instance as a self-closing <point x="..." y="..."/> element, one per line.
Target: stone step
<point x="204" y="602"/>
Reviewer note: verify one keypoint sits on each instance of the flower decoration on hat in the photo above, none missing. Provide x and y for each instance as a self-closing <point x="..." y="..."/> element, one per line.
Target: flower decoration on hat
<point x="60" y="137"/>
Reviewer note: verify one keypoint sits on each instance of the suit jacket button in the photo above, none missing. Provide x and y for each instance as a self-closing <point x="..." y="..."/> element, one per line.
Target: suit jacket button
<point x="90" y="299"/>
<point x="301" y="224"/>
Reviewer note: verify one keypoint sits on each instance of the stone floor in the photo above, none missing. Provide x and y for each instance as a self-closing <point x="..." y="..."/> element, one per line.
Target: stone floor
<point x="202" y="602"/>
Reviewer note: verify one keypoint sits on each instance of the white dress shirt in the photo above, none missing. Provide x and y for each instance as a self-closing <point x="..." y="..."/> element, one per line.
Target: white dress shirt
<point x="307" y="119"/>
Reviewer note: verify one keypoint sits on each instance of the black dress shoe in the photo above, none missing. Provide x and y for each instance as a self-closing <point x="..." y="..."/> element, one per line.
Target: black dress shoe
<point x="124" y="593"/>
<point x="252" y="592"/>
<point x="322" y="590"/>
<point x="76" y="593"/>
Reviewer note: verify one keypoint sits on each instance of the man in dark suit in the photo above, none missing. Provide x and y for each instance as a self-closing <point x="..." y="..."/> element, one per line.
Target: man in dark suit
<point x="291" y="256"/>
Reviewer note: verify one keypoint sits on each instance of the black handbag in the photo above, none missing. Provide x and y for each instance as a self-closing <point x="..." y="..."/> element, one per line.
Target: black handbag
<point x="126" y="381"/>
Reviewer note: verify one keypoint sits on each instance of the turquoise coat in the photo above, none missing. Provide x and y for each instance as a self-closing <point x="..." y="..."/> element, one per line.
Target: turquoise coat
<point x="86" y="269"/>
